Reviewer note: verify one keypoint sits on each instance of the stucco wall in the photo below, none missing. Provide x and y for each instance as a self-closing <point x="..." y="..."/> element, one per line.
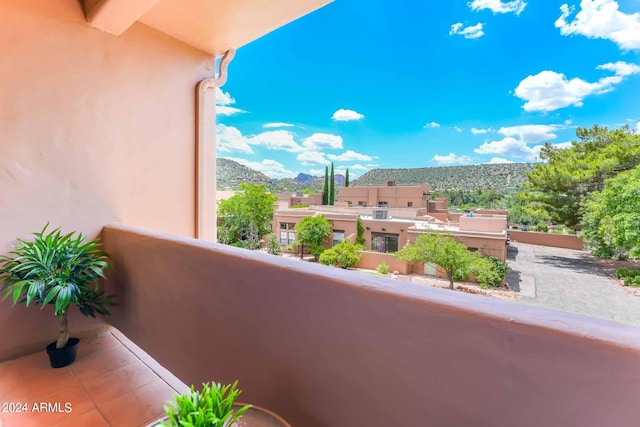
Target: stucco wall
<point x="371" y="260"/>
<point x="94" y="128"/>
<point x="546" y="239"/>
<point x="302" y="338"/>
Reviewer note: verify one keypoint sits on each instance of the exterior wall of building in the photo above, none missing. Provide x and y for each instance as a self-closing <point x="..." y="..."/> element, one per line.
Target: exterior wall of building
<point x="485" y="223"/>
<point x="396" y="196"/>
<point x="94" y="129"/>
<point x="371" y="260"/>
<point x="385" y="227"/>
<point x="290" y="217"/>
<point x="547" y="239"/>
<point x="486" y="245"/>
<point x="301" y="338"/>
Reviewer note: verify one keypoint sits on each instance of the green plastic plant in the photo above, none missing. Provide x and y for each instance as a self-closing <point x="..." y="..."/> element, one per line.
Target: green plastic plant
<point x="210" y="407"/>
<point x="59" y="270"/>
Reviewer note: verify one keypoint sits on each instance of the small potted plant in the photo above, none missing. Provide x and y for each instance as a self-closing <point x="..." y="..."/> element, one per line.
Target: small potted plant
<point x="213" y="406"/>
<point x="59" y="270"/>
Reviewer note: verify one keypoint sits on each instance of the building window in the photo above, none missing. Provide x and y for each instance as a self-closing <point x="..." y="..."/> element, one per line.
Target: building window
<point x="409" y="204"/>
<point x="384" y="243"/>
<point x="383" y="204"/>
<point x="287" y="225"/>
<point x="338" y="236"/>
<point x="362" y="203"/>
<point x="287" y="238"/>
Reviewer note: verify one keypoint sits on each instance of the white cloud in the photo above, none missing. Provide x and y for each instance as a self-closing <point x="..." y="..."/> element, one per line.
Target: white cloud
<point x="319" y="141"/>
<point x="281" y="140"/>
<point x="269" y="167"/>
<point x="223" y="110"/>
<point x="277" y="125"/>
<point x="515" y="148"/>
<point x="223" y="100"/>
<point x="531" y="133"/>
<point x="230" y="140"/>
<point x="310" y="158"/>
<point x="451" y="159"/>
<point x="457" y="129"/>
<point x="601" y="19"/>
<point x="477" y="131"/>
<point x="499" y="160"/>
<point x="349" y="156"/>
<point x="316" y="172"/>
<point x="431" y="125"/>
<point x="497" y="6"/>
<point x="638" y="126"/>
<point x="549" y="91"/>
<point x="469" y="32"/>
<point x="343" y="115"/>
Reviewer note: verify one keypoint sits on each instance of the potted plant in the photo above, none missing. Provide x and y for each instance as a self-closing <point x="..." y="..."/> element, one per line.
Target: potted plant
<point x="59" y="270"/>
<point x="215" y="406"/>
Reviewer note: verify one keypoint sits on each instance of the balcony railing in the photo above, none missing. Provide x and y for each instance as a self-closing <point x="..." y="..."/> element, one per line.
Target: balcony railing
<point x="326" y="347"/>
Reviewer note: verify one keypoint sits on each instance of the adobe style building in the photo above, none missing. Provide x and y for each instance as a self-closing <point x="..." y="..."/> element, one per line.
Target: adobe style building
<point x="391" y="219"/>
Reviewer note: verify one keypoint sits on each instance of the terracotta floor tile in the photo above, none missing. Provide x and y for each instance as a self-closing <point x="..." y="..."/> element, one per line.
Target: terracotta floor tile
<point x="92" y="418"/>
<point x="166" y="375"/>
<point x="138" y="407"/>
<point x="99" y="363"/>
<point x="25" y="367"/>
<point x="103" y="342"/>
<point x="59" y="407"/>
<point x="129" y="344"/>
<point x="36" y="387"/>
<point x="114" y="384"/>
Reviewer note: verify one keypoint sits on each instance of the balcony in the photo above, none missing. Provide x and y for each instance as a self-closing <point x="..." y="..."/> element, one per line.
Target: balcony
<point x="305" y="338"/>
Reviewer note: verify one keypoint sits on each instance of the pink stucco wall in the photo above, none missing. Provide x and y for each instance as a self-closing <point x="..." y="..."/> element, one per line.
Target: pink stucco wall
<point x="371" y="260"/>
<point x="90" y="126"/>
<point x="302" y="338"/>
<point x="546" y="239"/>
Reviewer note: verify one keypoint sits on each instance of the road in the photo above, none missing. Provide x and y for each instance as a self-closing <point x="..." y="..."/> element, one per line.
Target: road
<point x="568" y="280"/>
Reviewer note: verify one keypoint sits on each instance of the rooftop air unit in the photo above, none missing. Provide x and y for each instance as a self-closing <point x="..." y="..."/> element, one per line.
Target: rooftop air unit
<point x="380" y="214"/>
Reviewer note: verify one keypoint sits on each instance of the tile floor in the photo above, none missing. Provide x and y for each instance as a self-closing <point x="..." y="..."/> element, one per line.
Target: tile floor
<point x="112" y="383"/>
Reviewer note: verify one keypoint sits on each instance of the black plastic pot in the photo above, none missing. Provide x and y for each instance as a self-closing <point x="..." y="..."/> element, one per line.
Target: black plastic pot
<point x="65" y="356"/>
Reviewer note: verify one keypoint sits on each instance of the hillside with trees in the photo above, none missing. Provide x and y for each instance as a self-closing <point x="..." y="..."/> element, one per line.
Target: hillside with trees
<point x="473" y="177"/>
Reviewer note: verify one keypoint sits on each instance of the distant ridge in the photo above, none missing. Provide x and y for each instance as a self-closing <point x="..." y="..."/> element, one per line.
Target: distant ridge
<point x="488" y="176"/>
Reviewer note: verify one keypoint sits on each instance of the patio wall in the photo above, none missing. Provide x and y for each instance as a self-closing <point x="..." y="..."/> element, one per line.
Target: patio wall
<point x="546" y="239"/>
<point x="303" y="338"/>
<point x="90" y="125"/>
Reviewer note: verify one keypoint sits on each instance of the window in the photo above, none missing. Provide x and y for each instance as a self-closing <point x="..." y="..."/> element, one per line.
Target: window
<point x="383" y="204"/>
<point x="409" y="204"/>
<point x="362" y="203"/>
<point x="338" y="236"/>
<point x="384" y="242"/>
<point x="287" y="238"/>
<point x="287" y="226"/>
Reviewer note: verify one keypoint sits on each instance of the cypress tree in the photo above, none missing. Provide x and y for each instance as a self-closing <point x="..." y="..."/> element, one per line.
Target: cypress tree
<point x="332" y="181"/>
<point x="346" y="178"/>
<point x="325" y="191"/>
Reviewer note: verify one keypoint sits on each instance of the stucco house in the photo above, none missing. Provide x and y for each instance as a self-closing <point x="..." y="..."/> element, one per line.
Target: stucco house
<point x="107" y="116"/>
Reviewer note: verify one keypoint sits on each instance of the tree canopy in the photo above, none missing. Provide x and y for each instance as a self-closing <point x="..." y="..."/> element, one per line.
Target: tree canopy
<point x="312" y="231"/>
<point x="558" y="185"/>
<point x="611" y="218"/>
<point x="246" y="214"/>
<point x="443" y="250"/>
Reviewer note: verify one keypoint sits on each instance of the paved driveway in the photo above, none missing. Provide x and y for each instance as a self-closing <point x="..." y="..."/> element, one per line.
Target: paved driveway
<point x="568" y="280"/>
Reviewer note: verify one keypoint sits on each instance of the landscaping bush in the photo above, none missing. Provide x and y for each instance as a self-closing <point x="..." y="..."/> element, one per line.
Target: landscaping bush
<point x="632" y="281"/>
<point x="622" y="273"/>
<point x="273" y="245"/>
<point x="343" y="255"/>
<point x="240" y="244"/>
<point x="383" y="268"/>
<point x="541" y="227"/>
<point x="489" y="272"/>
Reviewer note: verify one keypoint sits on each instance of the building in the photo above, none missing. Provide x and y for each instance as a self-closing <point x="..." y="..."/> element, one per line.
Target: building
<point x="387" y="195"/>
<point x="107" y="121"/>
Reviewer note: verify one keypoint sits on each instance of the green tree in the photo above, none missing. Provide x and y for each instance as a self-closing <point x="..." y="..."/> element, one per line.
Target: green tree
<point x="611" y="218"/>
<point x="346" y="178"/>
<point x="558" y="185"/>
<point x="273" y="244"/>
<point x="360" y="231"/>
<point x="443" y="250"/>
<point x="312" y="231"/>
<point x="246" y="215"/>
<point x="344" y="255"/>
<point x="332" y="185"/>
<point x="325" y="190"/>
<point x="489" y="271"/>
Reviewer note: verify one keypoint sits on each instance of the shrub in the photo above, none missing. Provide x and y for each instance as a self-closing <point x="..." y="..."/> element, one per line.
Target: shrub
<point x="241" y="244"/>
<point x="541" y="227"/>
<point x="360" y="231"/>
<point x="622" y="273"/>
<point x="632" y="281"/>
<point x="343" y="255"/>
<point x="383" y="268"/>
<point x="489" y="272"/>
<point x="273" y="245"/>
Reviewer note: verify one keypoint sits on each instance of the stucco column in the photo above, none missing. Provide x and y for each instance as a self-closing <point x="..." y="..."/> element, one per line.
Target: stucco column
<point x="206" y="216"/>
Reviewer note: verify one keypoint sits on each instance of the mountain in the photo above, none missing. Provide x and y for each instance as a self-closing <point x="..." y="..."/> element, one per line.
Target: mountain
<point x="488" y="176"/>
<point x="230" y="174"/>
<point x="303" y="178"/>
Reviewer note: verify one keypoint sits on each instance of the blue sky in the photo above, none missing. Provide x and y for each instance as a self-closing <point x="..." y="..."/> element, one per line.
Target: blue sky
<point x="414" y="83"/>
